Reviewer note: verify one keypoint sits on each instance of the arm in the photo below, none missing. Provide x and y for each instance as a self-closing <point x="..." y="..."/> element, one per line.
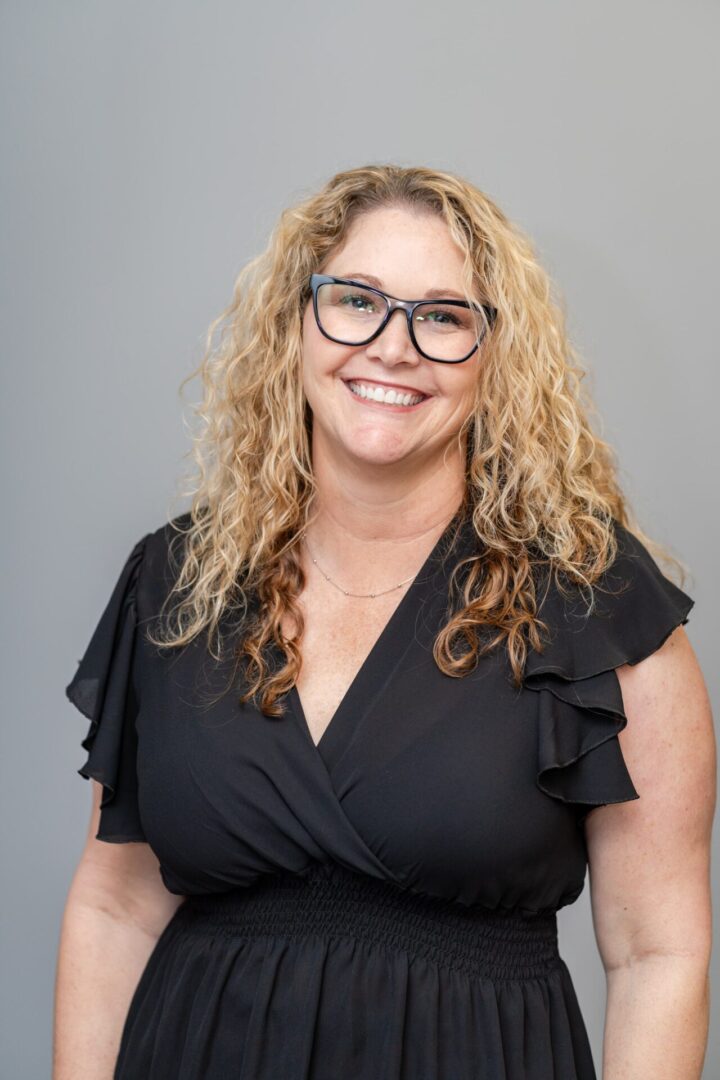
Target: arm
<point x="650" y="873"/>
<point x="116" y="909"/>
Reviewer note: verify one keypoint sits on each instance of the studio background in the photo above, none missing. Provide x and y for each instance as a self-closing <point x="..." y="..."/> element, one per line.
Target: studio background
<point x="148" y="150"/>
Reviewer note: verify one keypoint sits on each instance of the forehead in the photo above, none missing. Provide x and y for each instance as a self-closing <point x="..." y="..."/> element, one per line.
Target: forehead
<point x="403" y="252"/>
<point x="433" y="293"/>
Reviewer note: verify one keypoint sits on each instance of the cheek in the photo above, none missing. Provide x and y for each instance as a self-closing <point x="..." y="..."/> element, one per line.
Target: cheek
<point x="320" y="357"/>
<point x="459" y="388"/>
<point x="312" y="360"/>
<point x="318" y="367"/>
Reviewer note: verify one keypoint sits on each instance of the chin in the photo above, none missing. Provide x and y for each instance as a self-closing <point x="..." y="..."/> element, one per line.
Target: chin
<point x="377" y="455"/>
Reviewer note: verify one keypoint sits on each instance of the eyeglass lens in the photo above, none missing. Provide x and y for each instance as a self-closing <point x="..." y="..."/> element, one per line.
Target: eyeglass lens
<point x="352" y="314"/>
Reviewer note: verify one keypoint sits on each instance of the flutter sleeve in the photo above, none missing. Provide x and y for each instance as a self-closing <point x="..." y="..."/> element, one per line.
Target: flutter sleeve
<point x="580" y="706"/>
<point x="104" y="690"/>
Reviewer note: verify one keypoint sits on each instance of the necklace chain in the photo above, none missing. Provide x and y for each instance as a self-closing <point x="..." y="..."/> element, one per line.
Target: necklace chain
<point x="345" y="591"/>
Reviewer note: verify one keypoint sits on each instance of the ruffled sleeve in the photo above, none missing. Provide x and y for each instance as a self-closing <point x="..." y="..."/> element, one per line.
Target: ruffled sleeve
<point x="104" y="691"/>
<point x="580" y="706"/>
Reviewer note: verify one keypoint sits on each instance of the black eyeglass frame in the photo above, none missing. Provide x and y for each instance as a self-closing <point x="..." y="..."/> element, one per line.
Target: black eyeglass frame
<point x="394" y="303"/>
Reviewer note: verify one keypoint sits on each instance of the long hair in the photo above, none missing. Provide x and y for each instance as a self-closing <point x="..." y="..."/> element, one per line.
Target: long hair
<point x="541" y="487"/>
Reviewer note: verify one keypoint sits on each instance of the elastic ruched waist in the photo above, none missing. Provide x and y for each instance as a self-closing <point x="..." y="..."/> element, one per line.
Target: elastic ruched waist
<point x="332" y="901"/>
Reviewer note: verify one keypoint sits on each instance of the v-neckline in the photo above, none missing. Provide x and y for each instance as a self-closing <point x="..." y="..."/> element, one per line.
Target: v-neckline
<point x="368" y="682"/>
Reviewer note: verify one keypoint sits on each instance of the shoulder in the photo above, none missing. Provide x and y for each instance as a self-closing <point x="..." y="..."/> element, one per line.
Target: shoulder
<point x="634" y="609"/>
<point x="639" y="601"/>
<point x="165" y="541"/>
<point x="161" y="556"/>
<point x="634" y="565"/>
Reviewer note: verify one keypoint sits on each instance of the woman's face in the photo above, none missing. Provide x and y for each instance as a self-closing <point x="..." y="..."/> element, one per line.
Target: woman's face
<point x="408" y="255"/>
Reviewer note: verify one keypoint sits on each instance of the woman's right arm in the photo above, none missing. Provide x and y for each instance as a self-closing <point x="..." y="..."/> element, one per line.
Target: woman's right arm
<point x="116" y="909"/>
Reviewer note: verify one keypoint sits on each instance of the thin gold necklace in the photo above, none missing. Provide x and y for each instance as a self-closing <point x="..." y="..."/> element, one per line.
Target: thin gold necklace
<point x="345" y="592"/>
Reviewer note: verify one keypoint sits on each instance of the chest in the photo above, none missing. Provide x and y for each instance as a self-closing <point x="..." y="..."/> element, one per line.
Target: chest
<point x="433" y="777"/>
<point x="338" y="636"/>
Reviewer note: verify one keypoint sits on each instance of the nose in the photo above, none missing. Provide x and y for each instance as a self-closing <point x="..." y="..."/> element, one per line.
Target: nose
<point x="394" y="344"/>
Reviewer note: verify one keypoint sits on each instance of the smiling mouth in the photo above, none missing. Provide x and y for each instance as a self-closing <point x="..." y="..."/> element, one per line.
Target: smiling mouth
<point x="385" y="396"/>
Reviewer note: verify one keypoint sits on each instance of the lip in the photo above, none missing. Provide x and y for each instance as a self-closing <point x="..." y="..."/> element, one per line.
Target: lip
<point x="369" y="403"/>
<point x="387" y="385"/>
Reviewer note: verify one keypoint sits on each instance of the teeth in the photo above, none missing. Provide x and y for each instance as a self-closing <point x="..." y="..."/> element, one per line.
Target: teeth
<point x="385" y="397"/>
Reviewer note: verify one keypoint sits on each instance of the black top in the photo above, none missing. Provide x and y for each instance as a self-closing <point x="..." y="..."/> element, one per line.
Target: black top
<point x="382" y="905"/>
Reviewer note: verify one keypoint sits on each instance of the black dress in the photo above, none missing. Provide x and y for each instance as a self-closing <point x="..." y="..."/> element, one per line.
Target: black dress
<point x="382" y="905"/>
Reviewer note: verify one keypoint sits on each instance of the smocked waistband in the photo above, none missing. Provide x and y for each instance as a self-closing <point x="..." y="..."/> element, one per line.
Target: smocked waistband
<point x="332" y="901"/>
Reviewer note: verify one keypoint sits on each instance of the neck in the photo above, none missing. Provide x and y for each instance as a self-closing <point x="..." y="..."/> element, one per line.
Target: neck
<point x="375" y="516"/>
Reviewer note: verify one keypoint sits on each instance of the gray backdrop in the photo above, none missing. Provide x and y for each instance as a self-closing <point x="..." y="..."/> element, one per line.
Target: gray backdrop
<point x="148" y="149"/>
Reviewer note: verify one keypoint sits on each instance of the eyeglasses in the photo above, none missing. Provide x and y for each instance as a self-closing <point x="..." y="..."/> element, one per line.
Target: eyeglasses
<point x="352" y="313"/>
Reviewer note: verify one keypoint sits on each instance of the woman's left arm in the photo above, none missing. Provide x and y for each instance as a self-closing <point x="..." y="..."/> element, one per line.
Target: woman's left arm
<point x="649" y="873"/>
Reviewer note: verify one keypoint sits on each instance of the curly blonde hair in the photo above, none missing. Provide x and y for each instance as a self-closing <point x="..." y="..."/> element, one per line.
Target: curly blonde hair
<point x="541" y="486"/>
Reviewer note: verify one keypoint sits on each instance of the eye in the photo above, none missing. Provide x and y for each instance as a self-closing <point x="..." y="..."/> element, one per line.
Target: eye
<point x="355" y="302"/>
<point x="440" y="318"/>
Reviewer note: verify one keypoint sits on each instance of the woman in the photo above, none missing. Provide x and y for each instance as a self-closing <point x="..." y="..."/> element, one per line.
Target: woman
<point x="355" y="715"/>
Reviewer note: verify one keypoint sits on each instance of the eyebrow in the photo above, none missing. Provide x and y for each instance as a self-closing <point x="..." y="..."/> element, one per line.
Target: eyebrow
<point x="431" y="294"/>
